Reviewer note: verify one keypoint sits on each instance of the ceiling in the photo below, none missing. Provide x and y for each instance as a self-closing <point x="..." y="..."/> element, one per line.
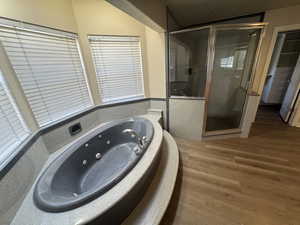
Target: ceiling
<point x="191" y="12"/>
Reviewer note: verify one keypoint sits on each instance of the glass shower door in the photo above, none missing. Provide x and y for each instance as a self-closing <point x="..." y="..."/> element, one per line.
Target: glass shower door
<point x="234" y="55"/>
<point x="188" y="56"/>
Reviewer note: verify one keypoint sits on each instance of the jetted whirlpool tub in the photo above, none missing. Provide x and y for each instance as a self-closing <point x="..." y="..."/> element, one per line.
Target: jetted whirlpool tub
<point x="93" y="165"/>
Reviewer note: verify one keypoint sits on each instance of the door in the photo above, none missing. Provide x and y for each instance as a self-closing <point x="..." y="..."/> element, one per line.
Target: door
<point x="234" y="56"/>
<point x="291" y="93"/>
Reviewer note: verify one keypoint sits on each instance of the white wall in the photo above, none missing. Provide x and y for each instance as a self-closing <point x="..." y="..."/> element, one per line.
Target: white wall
<point x="186" y="118"/>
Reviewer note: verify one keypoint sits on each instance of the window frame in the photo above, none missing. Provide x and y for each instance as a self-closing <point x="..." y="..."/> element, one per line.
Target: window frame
<point x="15" y="149"/>
<point x="99" y="88"/>
<point x="41" y="30"/>
<point x="237" y="57"/>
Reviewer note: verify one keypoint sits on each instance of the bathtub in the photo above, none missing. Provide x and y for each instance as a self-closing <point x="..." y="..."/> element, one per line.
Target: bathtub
<point x="93" y="165"/>
<point x="114" y="204"/>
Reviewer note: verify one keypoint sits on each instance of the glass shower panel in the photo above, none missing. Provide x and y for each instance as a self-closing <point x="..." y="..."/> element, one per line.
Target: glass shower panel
<point x="234" y="55"/>
<point x="188" y="62"/>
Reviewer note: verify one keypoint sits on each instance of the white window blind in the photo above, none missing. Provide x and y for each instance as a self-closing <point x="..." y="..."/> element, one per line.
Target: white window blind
<point x="49" y="67"/>
<point x="12" y="128"/>
<point x="118" y="65"/>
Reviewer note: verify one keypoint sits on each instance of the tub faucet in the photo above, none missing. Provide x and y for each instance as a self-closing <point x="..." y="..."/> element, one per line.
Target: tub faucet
<point x="141" y="140"/>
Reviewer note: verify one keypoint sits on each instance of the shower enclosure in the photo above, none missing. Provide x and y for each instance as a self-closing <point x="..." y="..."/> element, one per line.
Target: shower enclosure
<point x="215" y="64"/>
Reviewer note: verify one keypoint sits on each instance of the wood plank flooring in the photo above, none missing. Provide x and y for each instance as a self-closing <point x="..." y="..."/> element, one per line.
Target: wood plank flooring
<point x="254" y="181"/>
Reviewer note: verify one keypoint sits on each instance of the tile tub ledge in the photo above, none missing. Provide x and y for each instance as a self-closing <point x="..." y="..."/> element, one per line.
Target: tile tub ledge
<point x="32" y="215"/>
<point x="152" y="207"/>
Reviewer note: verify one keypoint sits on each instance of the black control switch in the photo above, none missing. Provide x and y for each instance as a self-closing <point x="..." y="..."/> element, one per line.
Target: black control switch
<point x="75" y="129"/>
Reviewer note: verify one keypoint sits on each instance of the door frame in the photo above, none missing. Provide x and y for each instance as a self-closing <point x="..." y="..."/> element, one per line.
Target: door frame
<point x="294" y="118"/>
<point x="211" y="55"/>
<point x="290" y="115"/>
<point x="276" y="30"/>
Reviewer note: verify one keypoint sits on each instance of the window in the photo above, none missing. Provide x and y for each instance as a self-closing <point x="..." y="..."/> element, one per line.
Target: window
<point x="235" y="62"/>
<point x="227" y="62"/>
<point x="12" y="128"/>
<point x="49" y="67"/>
<point x="118" y="66"/>
<point x="240" y="56"/>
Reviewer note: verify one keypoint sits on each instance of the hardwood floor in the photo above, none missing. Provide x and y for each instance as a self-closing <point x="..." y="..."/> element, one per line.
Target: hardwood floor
<point x="254" y="181"/>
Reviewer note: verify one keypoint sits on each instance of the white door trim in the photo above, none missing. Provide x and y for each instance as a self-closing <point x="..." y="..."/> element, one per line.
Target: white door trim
<point x="276" y="30"/>
<point x="295" y="117"/>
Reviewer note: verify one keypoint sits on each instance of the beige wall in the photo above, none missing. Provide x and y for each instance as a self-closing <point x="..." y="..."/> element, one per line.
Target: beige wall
<point x="53" y="13"/>
<point x="155" y="47"/>
<point x="95" y="17"/>
<point x="100" y="17"/>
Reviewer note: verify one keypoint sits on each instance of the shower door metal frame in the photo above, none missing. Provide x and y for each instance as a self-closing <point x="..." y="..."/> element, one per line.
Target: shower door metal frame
<point x="211" y="57"/>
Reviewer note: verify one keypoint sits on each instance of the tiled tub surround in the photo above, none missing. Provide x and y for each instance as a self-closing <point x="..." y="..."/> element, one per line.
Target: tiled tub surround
<point x="17" y="180"/>
<point x="60" y="136"/>
<point x="152" y="207"/>
<point x="161" y="105"/>
<point x="86" y="213"/>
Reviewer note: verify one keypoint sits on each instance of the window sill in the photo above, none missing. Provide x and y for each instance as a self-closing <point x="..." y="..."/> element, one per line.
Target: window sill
<point x="122" y="100"/>
<point x="187" y="97"/>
